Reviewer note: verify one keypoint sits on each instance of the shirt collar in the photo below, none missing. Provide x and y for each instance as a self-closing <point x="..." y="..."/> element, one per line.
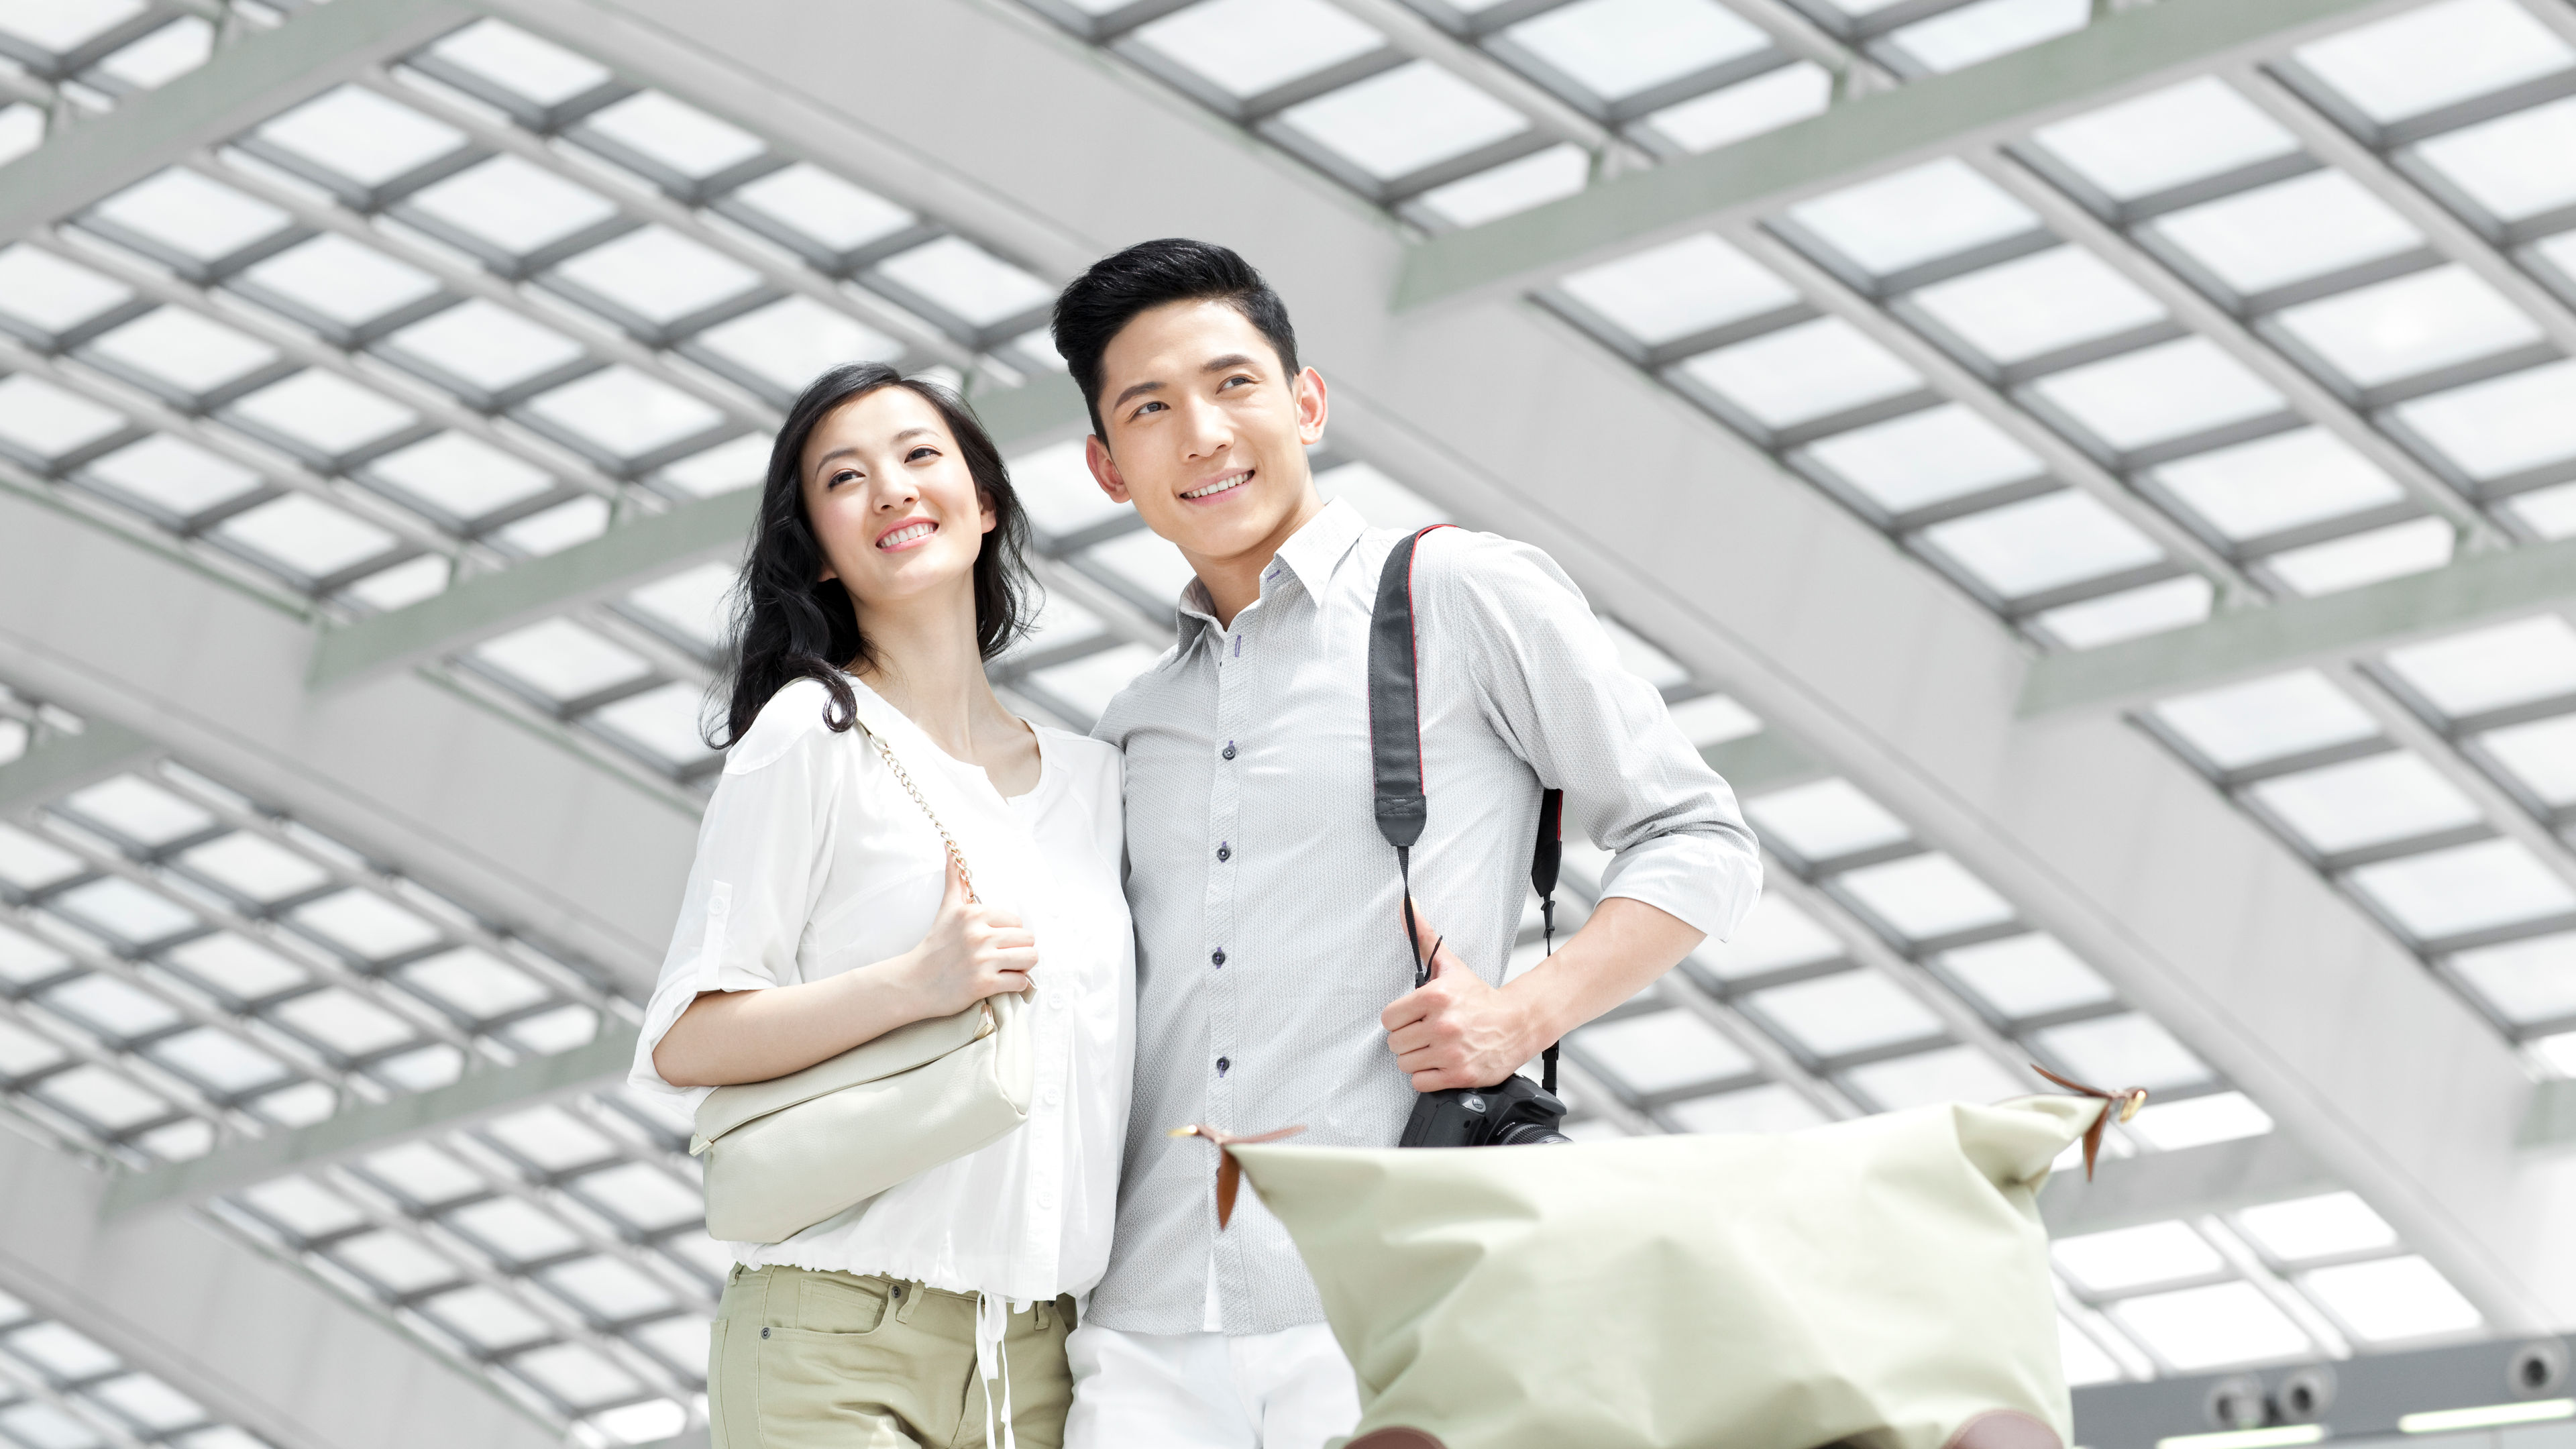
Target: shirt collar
<point x="1309" y="554"/>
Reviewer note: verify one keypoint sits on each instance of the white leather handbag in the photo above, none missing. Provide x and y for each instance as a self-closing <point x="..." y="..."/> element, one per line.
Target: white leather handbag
<point x="785" y="1154"/>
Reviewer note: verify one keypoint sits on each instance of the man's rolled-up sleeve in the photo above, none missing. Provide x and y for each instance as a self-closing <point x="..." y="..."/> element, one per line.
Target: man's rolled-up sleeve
<point x="1553" y="685"/>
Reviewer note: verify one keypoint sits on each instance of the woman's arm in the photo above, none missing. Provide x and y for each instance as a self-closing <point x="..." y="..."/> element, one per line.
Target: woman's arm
<point x="973" y="951"/>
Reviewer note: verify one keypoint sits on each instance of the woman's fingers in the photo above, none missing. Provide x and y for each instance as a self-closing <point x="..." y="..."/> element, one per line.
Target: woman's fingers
<point x="998" y="916"/>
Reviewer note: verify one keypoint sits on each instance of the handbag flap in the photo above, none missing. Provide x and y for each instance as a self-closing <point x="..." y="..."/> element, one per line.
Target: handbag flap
<point x="899" y="1050"/>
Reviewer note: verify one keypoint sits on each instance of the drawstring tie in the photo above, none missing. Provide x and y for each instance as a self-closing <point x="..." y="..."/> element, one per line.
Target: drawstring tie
<point x="993" y="1360"/>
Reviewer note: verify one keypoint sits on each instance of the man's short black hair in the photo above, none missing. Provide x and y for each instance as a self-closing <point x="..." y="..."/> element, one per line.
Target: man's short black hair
<point x="1101" y="302"/>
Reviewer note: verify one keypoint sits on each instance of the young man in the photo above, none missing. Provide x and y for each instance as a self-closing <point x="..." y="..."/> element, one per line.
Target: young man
<point x="1273" y="981"/>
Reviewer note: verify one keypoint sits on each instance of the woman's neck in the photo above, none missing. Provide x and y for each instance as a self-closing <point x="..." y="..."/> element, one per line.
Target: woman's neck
<point x="929" y="665"/>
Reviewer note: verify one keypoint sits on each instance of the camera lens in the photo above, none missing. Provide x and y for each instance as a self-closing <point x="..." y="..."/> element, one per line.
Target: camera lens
<point x="1529" y="1134"/>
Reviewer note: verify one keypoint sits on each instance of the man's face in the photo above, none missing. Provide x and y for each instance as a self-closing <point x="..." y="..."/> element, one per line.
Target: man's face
<point x="1205" y="435"/>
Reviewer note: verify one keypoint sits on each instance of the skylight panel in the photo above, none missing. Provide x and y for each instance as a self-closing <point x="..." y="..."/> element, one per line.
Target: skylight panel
<point x="667" y="724"/>
<point x="175" y="479"/>
<point x="22" y="129"/>
<point x="235" y="968"/>
<point x="1089" y="683"/>
<point x="1925" y="897"/>
<point x="2037" y="304"/>
<point x="190" y="216"/>
<point x="1056" y="487"/>
<point x="2527" y="982"/>
<point x="164" y="55"/>
<point x="1405" y="121"/>
<point x="1768" y="1108"/>
<point x="2266" y="719"/>
<point x="60" y="29"/>
<point x="482" y="346"/>
<point x="2025" y="976"/>
<point x="513" y="206"/>
<point x="625" y="414"/>
<point x="222" y="1064"/>
<point x="361" y="136"/>
<point x="2502" y="426"/>
<point x="2550" y="513"/>
<point x="2224" y="1324"/>
<point x="2276" y="483"/>
<point x="1614" y="49"/>
<point x="2492" y="668"/>
<point x="1849" y="1011"/>
<point x="110" y="1007"/>
<point x="790" y="342"/>
<point x="489" y="1320"/>
<point x="143" y="813"/>
<point x="1925" y="458"/>
<point x="658" y="275"/>
<point x="1774" y="936"/>
<point x="540" y="72"/>
<point x="2410" y="326"/>
<point x="2199" y="1121"/>
<point x="2129" y="613"/>
<point x="2327" y="1226"/>
<point x="125" y="911"/>
<point x="103" y="1099"/>
<point x="459" y="477"/>
<point x="966" y="281"/>
<point x="2357" y="559"/>
<point x="578" y="520"/>
<point x="1749" y="108"/>
<point x="1679" y="289"/>
<point x="323" y="414"/>
<point x="512" y="1230"/>
<point x="343" y="1023"/>
<point x="1662" y="1051"/>
<point x="1248" y="48"/>
<point x="1799" y="374"/>
<point x="1824" y="820"/>
<point x="2390" y="1300"/>
<point x="2160" y="394"/>
<point x="2139" y="1257"/>
<point x="1952" y="1074"/>
<point x="51" y="296"/>
<point x="2287" y="232"/>
<point x="340" y="280"/>
<point x="254" y="869"/>
<point x="310" y="539"/>
<point x="576" y="1376"/>
<point x="2540" y="756"/>
<point x="186" y="354"/>
<point x="2446" y="893"/>
<point x="612" y="1291"/>
<point x="31" y="864"/>
<point x="2167" y="138"/>
<point x="1533" y="180"/>
<point x="45" y="423"/>
<point x="670" y="134"/>
<point x="1936" y="210"/>
<point x="694" y="605"/>
<point x="2514" y="167"/>
<point x="813" y="203"/>
<point x="2436" y="56"/>
<point x="1960" y="38"/>
<point x="2043" y="543"/>
<point x="561" y="660"/>
<point x="2359" y="803"/>
<point x="394" y="1264"/>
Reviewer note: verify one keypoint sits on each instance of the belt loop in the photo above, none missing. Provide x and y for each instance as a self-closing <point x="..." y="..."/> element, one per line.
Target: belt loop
<point x="1038" y="1314"/>
<point x="907" y="1296"/>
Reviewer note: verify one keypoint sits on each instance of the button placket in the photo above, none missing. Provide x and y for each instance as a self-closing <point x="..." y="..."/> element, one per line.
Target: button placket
<point x="1234" y="694"/>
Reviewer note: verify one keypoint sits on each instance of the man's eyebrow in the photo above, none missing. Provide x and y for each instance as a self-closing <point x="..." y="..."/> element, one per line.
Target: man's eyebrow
<point x="1133" y="391"/>
<point x="1230" y="360"/>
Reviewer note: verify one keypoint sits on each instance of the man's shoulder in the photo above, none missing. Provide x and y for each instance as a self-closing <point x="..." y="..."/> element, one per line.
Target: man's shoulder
<point x="1138" y="694"/>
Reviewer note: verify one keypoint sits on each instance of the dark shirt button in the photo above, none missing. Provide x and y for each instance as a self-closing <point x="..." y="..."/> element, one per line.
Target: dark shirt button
<point x="1224" y="852"/>
<point x="1221" y="1065"/>
<point x="1218" y="956"/>
<point x="1229" y="749"/>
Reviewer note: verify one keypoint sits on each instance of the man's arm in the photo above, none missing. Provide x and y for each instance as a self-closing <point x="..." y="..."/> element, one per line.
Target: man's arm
<point x="1684" y="864"/>
<point x="1456" y="1031"/>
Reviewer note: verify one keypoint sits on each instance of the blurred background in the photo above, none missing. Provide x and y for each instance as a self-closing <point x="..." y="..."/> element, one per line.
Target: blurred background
<point x="2092" y="474"/>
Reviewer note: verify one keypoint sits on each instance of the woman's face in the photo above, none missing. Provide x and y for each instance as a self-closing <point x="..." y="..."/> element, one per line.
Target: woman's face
<point x="891" y="499"/>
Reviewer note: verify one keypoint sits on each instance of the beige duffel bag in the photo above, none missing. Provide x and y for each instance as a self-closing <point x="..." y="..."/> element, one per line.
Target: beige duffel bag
<point x="785" y="1154"/>
<point x="1881" y="1282"/>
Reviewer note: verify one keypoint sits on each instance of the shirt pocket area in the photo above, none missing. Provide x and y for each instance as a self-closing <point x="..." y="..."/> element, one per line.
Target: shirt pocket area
<point x="841" y="1303"/>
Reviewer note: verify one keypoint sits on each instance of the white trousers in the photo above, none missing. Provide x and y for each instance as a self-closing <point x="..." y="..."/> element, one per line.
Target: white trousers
<point x="1286" y="1390"/>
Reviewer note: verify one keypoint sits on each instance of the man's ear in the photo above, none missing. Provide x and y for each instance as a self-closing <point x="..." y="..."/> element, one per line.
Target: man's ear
<point x="1312" y="407"/>
<point x="1104" y="469"/>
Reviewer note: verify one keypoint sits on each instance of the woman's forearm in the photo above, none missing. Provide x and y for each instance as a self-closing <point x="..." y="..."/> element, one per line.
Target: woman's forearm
<point x="726" y="1037"/>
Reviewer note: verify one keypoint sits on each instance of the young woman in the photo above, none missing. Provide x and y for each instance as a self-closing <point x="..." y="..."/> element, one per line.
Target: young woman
<point x="822" y="913"/>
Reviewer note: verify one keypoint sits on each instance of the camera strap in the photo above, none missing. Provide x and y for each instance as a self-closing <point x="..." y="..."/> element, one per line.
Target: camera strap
<point x="1395" y="751"/>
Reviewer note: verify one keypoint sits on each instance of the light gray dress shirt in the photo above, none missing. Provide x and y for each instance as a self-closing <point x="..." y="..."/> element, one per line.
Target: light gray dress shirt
<point x="1268" y="910"/>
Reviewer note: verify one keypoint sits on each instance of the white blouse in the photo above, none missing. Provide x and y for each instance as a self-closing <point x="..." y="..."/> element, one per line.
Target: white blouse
<point x="812" y="860"/>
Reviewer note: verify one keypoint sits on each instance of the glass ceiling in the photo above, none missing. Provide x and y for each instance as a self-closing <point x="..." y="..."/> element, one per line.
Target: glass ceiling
<point x="64" y="59"/>
<point x="61" y="1389"/>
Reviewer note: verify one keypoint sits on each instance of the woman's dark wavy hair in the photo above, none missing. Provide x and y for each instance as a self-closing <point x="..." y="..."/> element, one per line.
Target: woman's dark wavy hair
<point x="789" y="623"/>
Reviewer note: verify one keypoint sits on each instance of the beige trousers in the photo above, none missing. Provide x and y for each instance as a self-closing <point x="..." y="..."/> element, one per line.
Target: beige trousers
<point x="802" y="1360"/>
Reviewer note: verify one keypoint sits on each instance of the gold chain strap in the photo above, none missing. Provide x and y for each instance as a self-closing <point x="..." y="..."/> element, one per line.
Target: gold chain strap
<point x="955" y="856"/>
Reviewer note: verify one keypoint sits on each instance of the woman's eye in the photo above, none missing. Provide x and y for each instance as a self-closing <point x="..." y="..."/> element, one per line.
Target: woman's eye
<point x="917" y="454"/>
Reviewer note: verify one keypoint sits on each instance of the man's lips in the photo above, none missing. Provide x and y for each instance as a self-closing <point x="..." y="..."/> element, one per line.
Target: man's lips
<point x="907" y="534"/>
<point x="1217" y="487"/>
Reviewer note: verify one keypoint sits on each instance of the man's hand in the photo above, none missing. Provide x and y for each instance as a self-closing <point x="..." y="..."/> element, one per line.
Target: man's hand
<point x="1454" y="1030"/>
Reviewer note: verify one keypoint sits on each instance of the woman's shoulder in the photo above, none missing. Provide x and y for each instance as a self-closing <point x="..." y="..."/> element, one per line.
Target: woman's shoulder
<point x="1080" y="753"/>
<point x="793" y="716"/>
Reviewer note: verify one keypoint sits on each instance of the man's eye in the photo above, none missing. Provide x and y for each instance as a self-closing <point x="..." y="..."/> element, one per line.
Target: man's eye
<point x="1231" y="381"/>
<point x="1150" y="407"/>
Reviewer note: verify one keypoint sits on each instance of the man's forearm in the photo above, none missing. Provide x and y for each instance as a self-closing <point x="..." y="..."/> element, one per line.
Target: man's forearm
<point x="1623" y="947"/>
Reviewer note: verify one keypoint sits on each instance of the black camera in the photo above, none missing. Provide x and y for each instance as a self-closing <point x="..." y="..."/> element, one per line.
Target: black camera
<point x="1519" y="1113"/>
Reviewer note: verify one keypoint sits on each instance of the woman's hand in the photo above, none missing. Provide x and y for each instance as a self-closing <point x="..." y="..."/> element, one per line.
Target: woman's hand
<point x="973" y="951"/>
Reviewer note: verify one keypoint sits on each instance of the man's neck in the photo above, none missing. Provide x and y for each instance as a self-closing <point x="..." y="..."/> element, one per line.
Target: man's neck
<point x="1233" y="583"/>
